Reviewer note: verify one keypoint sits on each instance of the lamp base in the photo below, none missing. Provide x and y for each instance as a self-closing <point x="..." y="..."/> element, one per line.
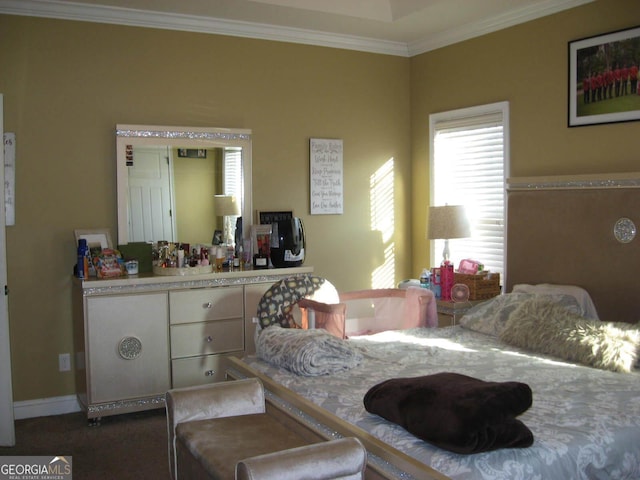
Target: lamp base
<point x="446" y="254"/>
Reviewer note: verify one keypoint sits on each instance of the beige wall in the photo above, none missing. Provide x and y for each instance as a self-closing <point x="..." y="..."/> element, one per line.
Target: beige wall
<point x="526" y="65"/>
<point x="196" y="183"/>
<point x="67" y="84"/>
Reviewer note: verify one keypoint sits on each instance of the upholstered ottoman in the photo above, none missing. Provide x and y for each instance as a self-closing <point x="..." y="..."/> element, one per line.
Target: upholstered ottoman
<point x="214" y="429"/>
<point x="212" y="448"/>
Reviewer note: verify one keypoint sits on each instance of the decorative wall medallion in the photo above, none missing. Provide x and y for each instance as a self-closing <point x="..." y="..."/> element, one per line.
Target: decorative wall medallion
<point x="130" y="348"/>
<point x="624" y="230"/>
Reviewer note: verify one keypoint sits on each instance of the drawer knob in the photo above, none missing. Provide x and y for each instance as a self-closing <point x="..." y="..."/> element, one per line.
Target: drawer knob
<point x="209" y="339"/>
<point x="210" y="373"/>
<point x="130" y="348"/>
<point x="207" y="305"/>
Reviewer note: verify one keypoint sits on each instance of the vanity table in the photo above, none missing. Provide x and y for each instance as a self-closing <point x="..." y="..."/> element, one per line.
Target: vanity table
<point x="136" y="337"/>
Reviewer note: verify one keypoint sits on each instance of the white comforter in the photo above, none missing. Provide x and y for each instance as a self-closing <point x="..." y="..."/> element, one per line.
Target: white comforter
<point x="585" y="422"/>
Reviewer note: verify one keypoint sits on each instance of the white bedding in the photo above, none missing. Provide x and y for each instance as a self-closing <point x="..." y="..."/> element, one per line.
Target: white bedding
<point x="585" y="422"/>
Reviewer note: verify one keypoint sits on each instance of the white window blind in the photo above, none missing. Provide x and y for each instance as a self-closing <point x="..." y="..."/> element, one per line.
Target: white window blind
<point x="232" y="172"/>
<point x="469" y="155"/>
<point x="232" y="175"/>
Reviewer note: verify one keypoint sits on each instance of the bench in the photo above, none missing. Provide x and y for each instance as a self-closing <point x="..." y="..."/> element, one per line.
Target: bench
<point x="223" y="431"/>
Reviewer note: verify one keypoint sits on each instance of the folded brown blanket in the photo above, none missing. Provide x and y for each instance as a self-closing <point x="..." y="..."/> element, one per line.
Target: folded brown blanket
<point x="455" y="412"/>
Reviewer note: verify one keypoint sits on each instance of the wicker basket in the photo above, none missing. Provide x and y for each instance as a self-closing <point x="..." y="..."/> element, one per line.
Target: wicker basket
<point x="481" y="285"/>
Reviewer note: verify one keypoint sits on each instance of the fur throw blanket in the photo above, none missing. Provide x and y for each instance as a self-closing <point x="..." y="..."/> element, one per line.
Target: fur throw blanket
<point x="545" y="327"/>
<point x="306" y="352"/>
<point x="455" y="412"/>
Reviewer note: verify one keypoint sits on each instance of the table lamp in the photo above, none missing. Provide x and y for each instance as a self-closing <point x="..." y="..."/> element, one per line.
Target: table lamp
<point x="226" y="206"/>
<point x="446" y="222"/>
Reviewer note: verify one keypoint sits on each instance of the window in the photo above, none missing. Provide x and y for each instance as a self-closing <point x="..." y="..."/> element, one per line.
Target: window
<point x="233" y="182"/>
<point x="469" y="159"/>
<point x="232" y="171"/>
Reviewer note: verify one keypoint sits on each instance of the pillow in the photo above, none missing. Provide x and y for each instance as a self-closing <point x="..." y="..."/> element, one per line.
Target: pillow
<point x="491" y="316"/>
<point x="545" y="327"/>
<point x="277" y="305"/>
<point x="587" y="308"/>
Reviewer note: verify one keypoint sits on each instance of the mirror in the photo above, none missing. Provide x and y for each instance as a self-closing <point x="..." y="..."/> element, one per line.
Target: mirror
<point x="167" y="178"/>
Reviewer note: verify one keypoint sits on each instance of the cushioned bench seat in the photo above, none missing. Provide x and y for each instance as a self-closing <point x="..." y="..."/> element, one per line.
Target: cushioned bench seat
<point x="222" y="431"/>
<point x="211" y="448"/>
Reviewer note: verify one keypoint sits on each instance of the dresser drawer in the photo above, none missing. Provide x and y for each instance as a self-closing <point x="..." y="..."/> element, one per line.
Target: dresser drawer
<point x="201" y="305"/>
<point x="204" y="338"/>
<point x="191" y="371"/>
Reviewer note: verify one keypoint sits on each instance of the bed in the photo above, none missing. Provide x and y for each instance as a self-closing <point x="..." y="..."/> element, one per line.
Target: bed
<point x="584" y="414"/>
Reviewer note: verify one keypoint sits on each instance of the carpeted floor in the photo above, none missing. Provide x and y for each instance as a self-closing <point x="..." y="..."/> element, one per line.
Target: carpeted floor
<point x="131" y="446"/>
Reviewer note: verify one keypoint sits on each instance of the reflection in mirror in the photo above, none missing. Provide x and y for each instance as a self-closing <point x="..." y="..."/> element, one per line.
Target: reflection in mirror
<point x="168" y="178"/>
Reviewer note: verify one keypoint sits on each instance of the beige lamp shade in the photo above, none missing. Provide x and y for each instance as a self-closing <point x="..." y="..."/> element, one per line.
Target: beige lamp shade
<point x="448" y="221"/>
<point x="445" y="222"/>
<point x="225" y="205"/>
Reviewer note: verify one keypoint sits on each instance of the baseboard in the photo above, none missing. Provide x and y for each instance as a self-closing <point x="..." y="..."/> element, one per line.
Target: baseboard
<point x="43" y="407"/>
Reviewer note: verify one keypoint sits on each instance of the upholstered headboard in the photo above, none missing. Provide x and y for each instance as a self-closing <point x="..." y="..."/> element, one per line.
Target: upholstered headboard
<point x="561" y="230"/>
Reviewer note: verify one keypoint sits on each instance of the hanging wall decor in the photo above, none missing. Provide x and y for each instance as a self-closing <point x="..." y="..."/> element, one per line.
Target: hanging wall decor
<point x="326" y="176"/>
<point x="603" y="78"/>
<point x="10" y="178"/>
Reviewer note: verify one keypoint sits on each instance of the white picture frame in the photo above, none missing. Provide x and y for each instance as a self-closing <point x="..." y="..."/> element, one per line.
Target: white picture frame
<point x="326" y="196"/>
<point x="95" y="237"/>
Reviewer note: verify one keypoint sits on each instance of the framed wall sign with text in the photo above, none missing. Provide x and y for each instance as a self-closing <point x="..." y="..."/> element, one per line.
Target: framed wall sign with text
<point x="326" y="176"/>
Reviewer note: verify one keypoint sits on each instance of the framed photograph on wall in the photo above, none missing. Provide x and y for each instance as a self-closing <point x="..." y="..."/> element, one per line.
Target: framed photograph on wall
<point x="603" y="78"/>
<point x="192" y="153"/>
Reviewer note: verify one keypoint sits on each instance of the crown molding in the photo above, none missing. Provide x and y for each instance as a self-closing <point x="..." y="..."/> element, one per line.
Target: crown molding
<point x="192" y="23"/>
<point x="217" y="26"/>
<point x="491" y="25"/>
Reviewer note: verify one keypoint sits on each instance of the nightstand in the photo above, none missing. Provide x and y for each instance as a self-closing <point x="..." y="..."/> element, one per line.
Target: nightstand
<point x="450" y="312"/>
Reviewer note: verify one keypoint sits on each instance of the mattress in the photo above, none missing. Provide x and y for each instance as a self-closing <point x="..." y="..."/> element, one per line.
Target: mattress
<point x="585" y="421"/>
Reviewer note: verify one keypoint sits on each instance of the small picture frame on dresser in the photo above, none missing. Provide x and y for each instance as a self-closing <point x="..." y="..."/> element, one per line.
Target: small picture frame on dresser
<point x="95" y="237"/>
<point x="261" y="243"/>
<point x="98" y="239"/>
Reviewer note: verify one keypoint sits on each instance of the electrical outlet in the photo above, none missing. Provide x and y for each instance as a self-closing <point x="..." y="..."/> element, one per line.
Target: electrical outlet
<point x="64" y="362"/>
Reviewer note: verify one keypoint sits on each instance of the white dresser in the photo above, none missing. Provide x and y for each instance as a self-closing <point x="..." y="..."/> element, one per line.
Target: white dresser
<point x="136" y="337"/>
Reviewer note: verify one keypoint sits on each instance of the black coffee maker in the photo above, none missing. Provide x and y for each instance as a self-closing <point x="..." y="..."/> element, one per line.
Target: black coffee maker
<point x="287" y="243"/>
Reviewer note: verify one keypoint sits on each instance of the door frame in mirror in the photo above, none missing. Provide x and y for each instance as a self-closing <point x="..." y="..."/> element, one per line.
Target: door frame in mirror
<point x="196" y="137"/>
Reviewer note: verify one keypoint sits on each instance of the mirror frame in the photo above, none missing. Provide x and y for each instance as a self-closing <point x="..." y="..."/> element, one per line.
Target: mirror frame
<point x="192" y="137"/>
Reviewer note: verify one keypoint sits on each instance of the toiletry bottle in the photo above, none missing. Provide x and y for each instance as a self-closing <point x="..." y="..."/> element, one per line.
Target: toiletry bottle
<point x="238" y="262"/>
<point x="425" y="279"/>
<point x="446" y="280"/>
<point x="230" y="254"/>
<point x="220" y="258"/>
<point x="82" y="267"/>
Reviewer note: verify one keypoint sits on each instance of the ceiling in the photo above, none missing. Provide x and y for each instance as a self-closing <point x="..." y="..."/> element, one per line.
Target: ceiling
<point x="396" y="27"/>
